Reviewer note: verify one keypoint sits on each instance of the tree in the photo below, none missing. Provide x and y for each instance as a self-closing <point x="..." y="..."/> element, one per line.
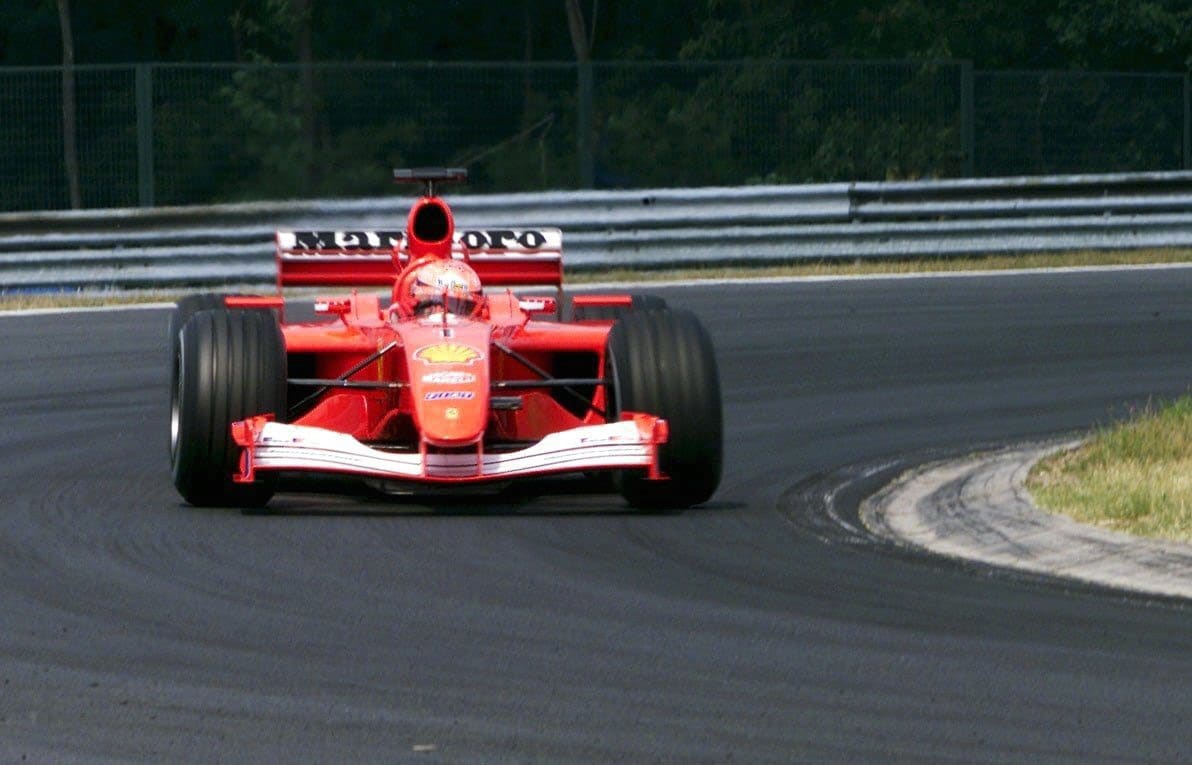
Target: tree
<point x="581" y="42"/>
<point x="1125" y="35"/>
<point x="302" y="11"/>
<point x="69" y="129"/>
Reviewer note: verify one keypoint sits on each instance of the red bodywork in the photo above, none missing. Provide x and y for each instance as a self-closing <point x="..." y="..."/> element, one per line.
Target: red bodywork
<point x="446" y="399"/>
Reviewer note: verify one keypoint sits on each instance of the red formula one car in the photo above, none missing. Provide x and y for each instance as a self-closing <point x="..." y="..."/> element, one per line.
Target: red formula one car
<point x="450" y="379"/>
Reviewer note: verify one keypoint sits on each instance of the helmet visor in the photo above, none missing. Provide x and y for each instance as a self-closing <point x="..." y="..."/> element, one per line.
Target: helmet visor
<point x="460" y="306"/>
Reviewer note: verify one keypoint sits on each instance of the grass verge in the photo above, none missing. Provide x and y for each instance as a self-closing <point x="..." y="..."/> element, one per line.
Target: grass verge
<point x="871" y="267"/>
<point x="861" y="267"/>
<point x="1135" y="477"/>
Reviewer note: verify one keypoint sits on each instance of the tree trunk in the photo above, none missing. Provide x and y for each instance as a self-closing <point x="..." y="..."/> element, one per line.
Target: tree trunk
<point x="69" y="132"/>
<point x="579" y="35"/>
<point x="584" y="96"/>
<point x="527" y="58"/>
<point x="302" y="10"/>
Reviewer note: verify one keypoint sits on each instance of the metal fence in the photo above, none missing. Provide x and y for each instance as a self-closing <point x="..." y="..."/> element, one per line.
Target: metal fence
<point x="234" y="244"/>
<point x="172" y="134"/>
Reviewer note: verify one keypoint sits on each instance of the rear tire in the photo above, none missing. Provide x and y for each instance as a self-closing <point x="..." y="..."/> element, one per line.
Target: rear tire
<point x="663" y="363"/>
<point x="228" y="365"/>
<point x="640" y="303"/>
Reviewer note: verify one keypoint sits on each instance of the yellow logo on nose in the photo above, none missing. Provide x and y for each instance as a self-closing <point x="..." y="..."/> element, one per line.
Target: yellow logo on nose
<point x="448" y="353"/>
<point x="451" y="413"/>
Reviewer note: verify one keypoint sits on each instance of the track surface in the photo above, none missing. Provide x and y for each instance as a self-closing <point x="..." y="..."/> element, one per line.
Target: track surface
<point x="562" y="629"/>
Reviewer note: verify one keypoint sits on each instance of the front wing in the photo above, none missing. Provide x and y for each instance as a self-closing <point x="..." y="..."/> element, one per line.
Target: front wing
<point x="630" y="443"/>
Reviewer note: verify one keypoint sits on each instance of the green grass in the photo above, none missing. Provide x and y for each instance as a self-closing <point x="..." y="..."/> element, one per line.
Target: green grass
<point x="86" y="299"/>
<point x="868" y="267"/>
<point x="1134" y="477"/>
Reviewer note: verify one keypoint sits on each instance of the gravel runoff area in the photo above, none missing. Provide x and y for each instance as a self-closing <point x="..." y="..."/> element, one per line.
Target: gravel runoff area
<point x="977" y="508"/>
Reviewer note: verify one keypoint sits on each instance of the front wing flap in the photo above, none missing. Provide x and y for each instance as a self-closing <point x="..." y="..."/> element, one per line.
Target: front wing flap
<point x="630" y="443"/>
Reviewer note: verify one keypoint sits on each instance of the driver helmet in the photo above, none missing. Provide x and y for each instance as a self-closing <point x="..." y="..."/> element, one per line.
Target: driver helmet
<point x="441" y="286"/>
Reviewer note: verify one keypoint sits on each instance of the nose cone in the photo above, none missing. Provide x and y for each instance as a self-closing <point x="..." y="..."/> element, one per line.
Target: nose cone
<point x="449" y="381"/>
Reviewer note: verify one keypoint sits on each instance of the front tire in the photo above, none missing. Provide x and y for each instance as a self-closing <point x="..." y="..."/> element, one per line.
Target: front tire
<point x="228" y="365"/>
<point x="639" y="303"/>
<point x="663" y="363"/>
<point x="188" y="306"/>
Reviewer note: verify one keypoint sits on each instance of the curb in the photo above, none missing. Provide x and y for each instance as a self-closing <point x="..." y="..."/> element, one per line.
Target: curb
<point x="978" y="509"/>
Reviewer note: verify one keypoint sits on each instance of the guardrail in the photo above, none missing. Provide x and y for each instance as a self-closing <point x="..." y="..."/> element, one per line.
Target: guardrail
<point x="233" y="244"/>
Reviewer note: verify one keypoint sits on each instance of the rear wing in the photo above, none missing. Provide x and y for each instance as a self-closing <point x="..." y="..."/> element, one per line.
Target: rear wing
<point x="501" y="257"/>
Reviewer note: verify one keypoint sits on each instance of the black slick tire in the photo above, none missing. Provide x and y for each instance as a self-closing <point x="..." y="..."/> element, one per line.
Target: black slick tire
<point x="228" y="365"/>
<point x="187" y="307"/>
<point x="663" y="363"/>
<point x="640" y="303"/>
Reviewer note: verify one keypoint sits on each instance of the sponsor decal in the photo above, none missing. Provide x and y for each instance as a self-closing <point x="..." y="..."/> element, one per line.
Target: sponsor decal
<point x="451" y="413"/>
<point x="351" y="242"/>
<point x="502" y="239"/>
<point x="609" y="439"/>
<point x="438" y="320"/>
<point x="449" y="378"/>
<point x="374" y="242"/>
<point x="282" y="440"/>
<point x="448" y="353"/>
<point x="449" y="395"/>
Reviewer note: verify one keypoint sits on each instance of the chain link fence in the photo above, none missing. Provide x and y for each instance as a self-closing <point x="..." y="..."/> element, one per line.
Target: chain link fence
<point x="1047" y="123"/>
<point x="170" y="134"/>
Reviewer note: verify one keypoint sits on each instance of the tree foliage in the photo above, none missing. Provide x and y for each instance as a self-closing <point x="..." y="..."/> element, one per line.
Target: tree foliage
<point x="714" y="91"/>
<point x="1126" y="35"/>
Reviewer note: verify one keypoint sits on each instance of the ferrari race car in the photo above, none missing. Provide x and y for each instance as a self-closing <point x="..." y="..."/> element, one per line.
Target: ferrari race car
<point x="445" y="380"/>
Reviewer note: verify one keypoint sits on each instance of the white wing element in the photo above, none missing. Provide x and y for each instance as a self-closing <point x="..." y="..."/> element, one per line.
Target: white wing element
<point x="495" y="241"/>
<point x="630" y="443"/>
<point x="502" y="257"/>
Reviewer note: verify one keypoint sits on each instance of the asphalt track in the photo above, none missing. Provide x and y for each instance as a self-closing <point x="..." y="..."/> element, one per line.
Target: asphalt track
<point x="559" y="628"/>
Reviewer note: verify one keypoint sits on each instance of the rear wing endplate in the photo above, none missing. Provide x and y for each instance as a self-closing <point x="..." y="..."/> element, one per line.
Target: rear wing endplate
<point x="501" y="257"/>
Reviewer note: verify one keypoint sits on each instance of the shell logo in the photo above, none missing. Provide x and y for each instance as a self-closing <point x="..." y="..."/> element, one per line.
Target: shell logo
<point x="448" y="353"/>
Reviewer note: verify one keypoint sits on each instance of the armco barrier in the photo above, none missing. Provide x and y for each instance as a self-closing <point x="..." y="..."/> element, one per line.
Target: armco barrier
<point x="233" y="244"/>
